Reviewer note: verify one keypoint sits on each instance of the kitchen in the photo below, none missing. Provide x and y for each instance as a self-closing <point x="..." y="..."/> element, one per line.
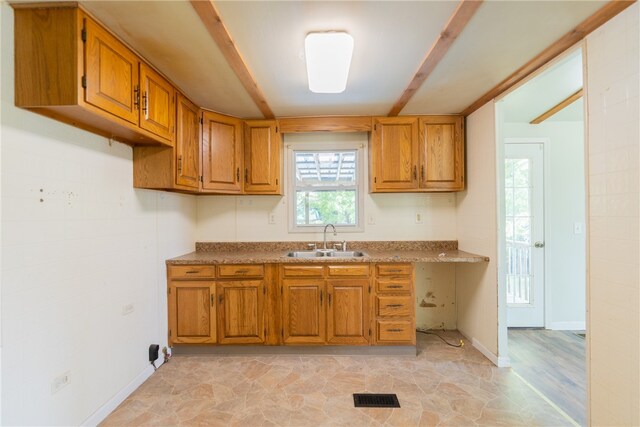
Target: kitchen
<point x="80" y="244"/>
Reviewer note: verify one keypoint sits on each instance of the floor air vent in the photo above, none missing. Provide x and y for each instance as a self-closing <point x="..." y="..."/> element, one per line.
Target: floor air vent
<point x="371" y="400"/>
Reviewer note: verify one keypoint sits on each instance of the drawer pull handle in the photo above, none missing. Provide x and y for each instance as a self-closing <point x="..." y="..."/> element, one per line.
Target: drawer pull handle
<point x="244" y="271"/>
<point x="394" y="286"/>
<point x="193" y="271"/>
<point x="395" y="330"/>
<point x="397" y="270"/>
<point x="394" y="305"/>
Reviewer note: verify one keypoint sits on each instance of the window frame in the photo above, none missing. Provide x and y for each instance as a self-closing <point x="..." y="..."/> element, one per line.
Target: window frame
<point x="359" y="186"/>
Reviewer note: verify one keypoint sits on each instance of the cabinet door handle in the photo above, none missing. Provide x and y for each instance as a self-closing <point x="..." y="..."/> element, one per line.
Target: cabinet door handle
<point x="237" y="174"/>
<point x="179" y="164"/>
<point x="213" y="300"/>
<point x="395" y="271"/>
<point x="422" y="172"/>
<point x="192" y="271"/>
<point x="243" y="271"/>
<point x="246" y="175"/>
<point x="394" y="330"/>
<point x="394" y="305"/>
<point x="415" y="173"/>
<point x="320" y="298"/>
<point x="145" y="105"/>
<point x="136" y="97"/>
<point x="220" y="299"/>
<point x="329" y="298"/>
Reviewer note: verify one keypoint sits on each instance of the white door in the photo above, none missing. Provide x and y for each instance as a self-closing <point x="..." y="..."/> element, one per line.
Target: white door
<point x="524" y="230"/>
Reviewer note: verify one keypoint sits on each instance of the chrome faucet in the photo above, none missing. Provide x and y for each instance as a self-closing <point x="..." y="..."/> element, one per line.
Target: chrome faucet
<point x="324" y="245"/>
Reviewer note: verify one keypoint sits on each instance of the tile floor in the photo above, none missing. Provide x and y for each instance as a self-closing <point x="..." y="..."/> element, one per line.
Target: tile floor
<point x="441" y="386"/>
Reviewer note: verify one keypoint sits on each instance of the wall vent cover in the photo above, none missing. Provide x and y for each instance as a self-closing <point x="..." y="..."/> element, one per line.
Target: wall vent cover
<point x="372" y="400"/>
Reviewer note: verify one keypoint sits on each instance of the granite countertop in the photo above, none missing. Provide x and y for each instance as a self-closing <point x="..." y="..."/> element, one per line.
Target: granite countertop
<point x="276" y="252"/>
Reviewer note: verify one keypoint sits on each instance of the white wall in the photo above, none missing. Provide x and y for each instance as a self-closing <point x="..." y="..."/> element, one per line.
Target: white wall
<point x="564" y="190"/>
<point x="477" y="284"/>
<point x="246" y="218"/>
<point x="78" y="244"/>
<point x="613" y="168"/>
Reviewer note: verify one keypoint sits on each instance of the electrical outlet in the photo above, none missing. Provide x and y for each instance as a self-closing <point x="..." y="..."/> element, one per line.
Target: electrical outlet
<point x="272" y="218"/>
<point x="127" y="309"/>
<point x="577" y="228"/>
<point x="419" y="218"/>
<point x="371" y="220"/>
<point x="60" y="382"/>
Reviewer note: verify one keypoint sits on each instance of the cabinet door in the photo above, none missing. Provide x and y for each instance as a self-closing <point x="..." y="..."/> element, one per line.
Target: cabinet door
<point x="241" y="312"/>
<point x="187" y="149"/>
<point x="157" y="103"/>
<point x="111" y="73"/>
<point x="262" y="157"/>
<point x="303" y="311"/>
<point x="221" y="153"/>
<point x="442" y="153"/>
<point x="192" y="312"/>
<point x="394" y="154"/>
<point x="348" y="312"/>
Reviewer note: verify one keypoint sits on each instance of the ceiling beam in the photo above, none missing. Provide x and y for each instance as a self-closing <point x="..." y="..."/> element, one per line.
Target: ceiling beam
<point x="218" y="32"/>
<point x="576" y="34"/>
<point x="560" y="106"/>
<point x="461" y="16"/>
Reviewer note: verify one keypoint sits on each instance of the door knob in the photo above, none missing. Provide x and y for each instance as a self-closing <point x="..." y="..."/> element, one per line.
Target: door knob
<point x="539" y="244"/>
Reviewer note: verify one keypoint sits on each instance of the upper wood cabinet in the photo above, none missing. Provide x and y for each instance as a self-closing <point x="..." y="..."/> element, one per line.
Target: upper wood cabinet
<point x="262" y="158"/>
<point x="70" y="68"/>
<point x="187" y="146"/>
<point x="172" y="168"/>
<point x="111" y="73"/>
<point x="417" y="154"/>
<point x="157" y="103"/>
<point x="222" y="153"/>
<point x="442" y="153"/>
<point x="394" y="154"/>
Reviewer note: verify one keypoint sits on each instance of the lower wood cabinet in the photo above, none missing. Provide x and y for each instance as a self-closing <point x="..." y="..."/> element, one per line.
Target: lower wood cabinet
<point x="192" y="312"/>
<point x="241" y="312"/>
<point x="348" y="311"/>
<point x="312" y="304"/>
<point x="303" y="311"/>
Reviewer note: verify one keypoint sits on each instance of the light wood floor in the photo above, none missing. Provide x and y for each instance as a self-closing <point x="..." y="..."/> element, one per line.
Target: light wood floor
<point x="554" y="362"/>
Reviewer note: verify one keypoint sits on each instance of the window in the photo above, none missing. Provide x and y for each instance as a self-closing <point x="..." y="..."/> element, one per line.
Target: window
<point x="325" y="186"/>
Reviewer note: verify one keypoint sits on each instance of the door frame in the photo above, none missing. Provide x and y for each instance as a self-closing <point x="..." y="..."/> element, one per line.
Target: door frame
<point x="502" y="241"/>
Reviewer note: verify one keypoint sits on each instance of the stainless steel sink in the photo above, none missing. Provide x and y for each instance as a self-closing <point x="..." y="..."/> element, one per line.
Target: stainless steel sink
<point x="345" y="254"/>
<point x="305" y="254"/>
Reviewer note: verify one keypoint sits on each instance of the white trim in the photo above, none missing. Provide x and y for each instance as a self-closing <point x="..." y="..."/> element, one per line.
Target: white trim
<point x="567" y="326"/>
<point x="103" y="412"/>
<point x="499" y="361"/>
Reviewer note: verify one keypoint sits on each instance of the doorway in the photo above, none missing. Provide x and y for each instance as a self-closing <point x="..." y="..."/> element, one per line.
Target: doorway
<point x="542" y="246"/>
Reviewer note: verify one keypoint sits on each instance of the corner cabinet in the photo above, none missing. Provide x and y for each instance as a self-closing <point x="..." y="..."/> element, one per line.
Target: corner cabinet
<point x="416" y="154"/>
<point x="262" y="157"/>
<point x="221" y="153"/>
<point x="70" y="68"/>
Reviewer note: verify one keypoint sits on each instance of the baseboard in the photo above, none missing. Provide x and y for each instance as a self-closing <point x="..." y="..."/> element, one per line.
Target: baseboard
<point x="567" y="326"/>
<point x="103" y="412"/>
<point x="499" y="361"/>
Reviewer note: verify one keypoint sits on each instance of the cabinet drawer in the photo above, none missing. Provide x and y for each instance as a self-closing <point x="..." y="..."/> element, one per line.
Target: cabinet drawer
<point x="391" y="285"/>
<point x="395" y="330"/>
<point x="394" y="269"/>
<point x="191" y="271"/>
<point x="348" y="270"/>
<point x="303" y="271"/>
<point x="389" y="305"/>
<point x="241" y="270"/>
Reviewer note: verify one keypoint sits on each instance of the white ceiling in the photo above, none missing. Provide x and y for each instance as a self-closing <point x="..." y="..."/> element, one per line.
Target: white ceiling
<point x="547" y="90"/>
<point x="391" y="40"/>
